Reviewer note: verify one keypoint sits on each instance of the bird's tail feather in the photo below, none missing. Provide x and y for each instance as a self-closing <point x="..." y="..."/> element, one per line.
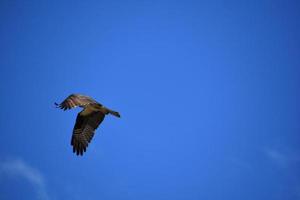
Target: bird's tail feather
<point x="114" y="113"/>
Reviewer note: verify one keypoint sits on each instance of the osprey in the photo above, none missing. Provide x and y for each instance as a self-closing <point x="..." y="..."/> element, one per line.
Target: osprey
<point x="87" y="120"/>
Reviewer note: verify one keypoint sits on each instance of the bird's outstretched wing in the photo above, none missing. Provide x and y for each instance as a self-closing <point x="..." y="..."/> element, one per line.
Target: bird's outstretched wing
<point x="75" y="100"/>
<point x="84" y="130"/>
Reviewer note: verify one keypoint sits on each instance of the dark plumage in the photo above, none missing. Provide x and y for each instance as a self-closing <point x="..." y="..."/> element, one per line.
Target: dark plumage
<point x="87" y="120"/>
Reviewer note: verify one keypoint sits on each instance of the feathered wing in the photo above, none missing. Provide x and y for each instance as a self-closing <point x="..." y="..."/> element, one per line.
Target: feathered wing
<point x="75" y="100"/>
<point x="84" y="130"/>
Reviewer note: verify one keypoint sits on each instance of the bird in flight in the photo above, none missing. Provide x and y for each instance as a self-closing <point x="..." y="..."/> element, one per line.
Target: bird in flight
<point x="87" y="120"/>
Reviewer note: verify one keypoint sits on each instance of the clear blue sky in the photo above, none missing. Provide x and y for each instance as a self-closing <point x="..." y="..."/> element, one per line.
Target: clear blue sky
<point x="208" y="92"/>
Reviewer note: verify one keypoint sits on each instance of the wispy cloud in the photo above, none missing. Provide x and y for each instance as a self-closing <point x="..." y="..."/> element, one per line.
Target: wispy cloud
<point x="281" y="158"/>
<point x="19" y="168"/>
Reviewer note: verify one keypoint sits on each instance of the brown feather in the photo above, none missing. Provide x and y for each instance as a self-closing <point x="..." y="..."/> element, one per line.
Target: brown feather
<point x="86" y="124"/>
<point x="75" y="100"/>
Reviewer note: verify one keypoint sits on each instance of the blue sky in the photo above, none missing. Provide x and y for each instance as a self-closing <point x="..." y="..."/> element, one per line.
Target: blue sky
<point x="208" y="92"/>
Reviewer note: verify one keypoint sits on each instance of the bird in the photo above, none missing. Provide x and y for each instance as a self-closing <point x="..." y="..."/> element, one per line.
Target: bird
<point x="87" y="120"/>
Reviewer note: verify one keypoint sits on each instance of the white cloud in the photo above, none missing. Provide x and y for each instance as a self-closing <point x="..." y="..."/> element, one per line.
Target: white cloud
<point x="19" y="168"/>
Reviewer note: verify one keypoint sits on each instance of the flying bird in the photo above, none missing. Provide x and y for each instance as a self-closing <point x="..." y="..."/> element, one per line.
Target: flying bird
<point x="87" y="120"/>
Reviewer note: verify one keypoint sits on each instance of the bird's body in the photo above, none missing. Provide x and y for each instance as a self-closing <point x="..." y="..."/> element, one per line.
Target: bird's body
<point x="87" y="120"/>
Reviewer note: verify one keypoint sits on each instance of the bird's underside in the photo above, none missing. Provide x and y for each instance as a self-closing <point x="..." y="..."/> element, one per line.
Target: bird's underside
<point x="87" y="120"/>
